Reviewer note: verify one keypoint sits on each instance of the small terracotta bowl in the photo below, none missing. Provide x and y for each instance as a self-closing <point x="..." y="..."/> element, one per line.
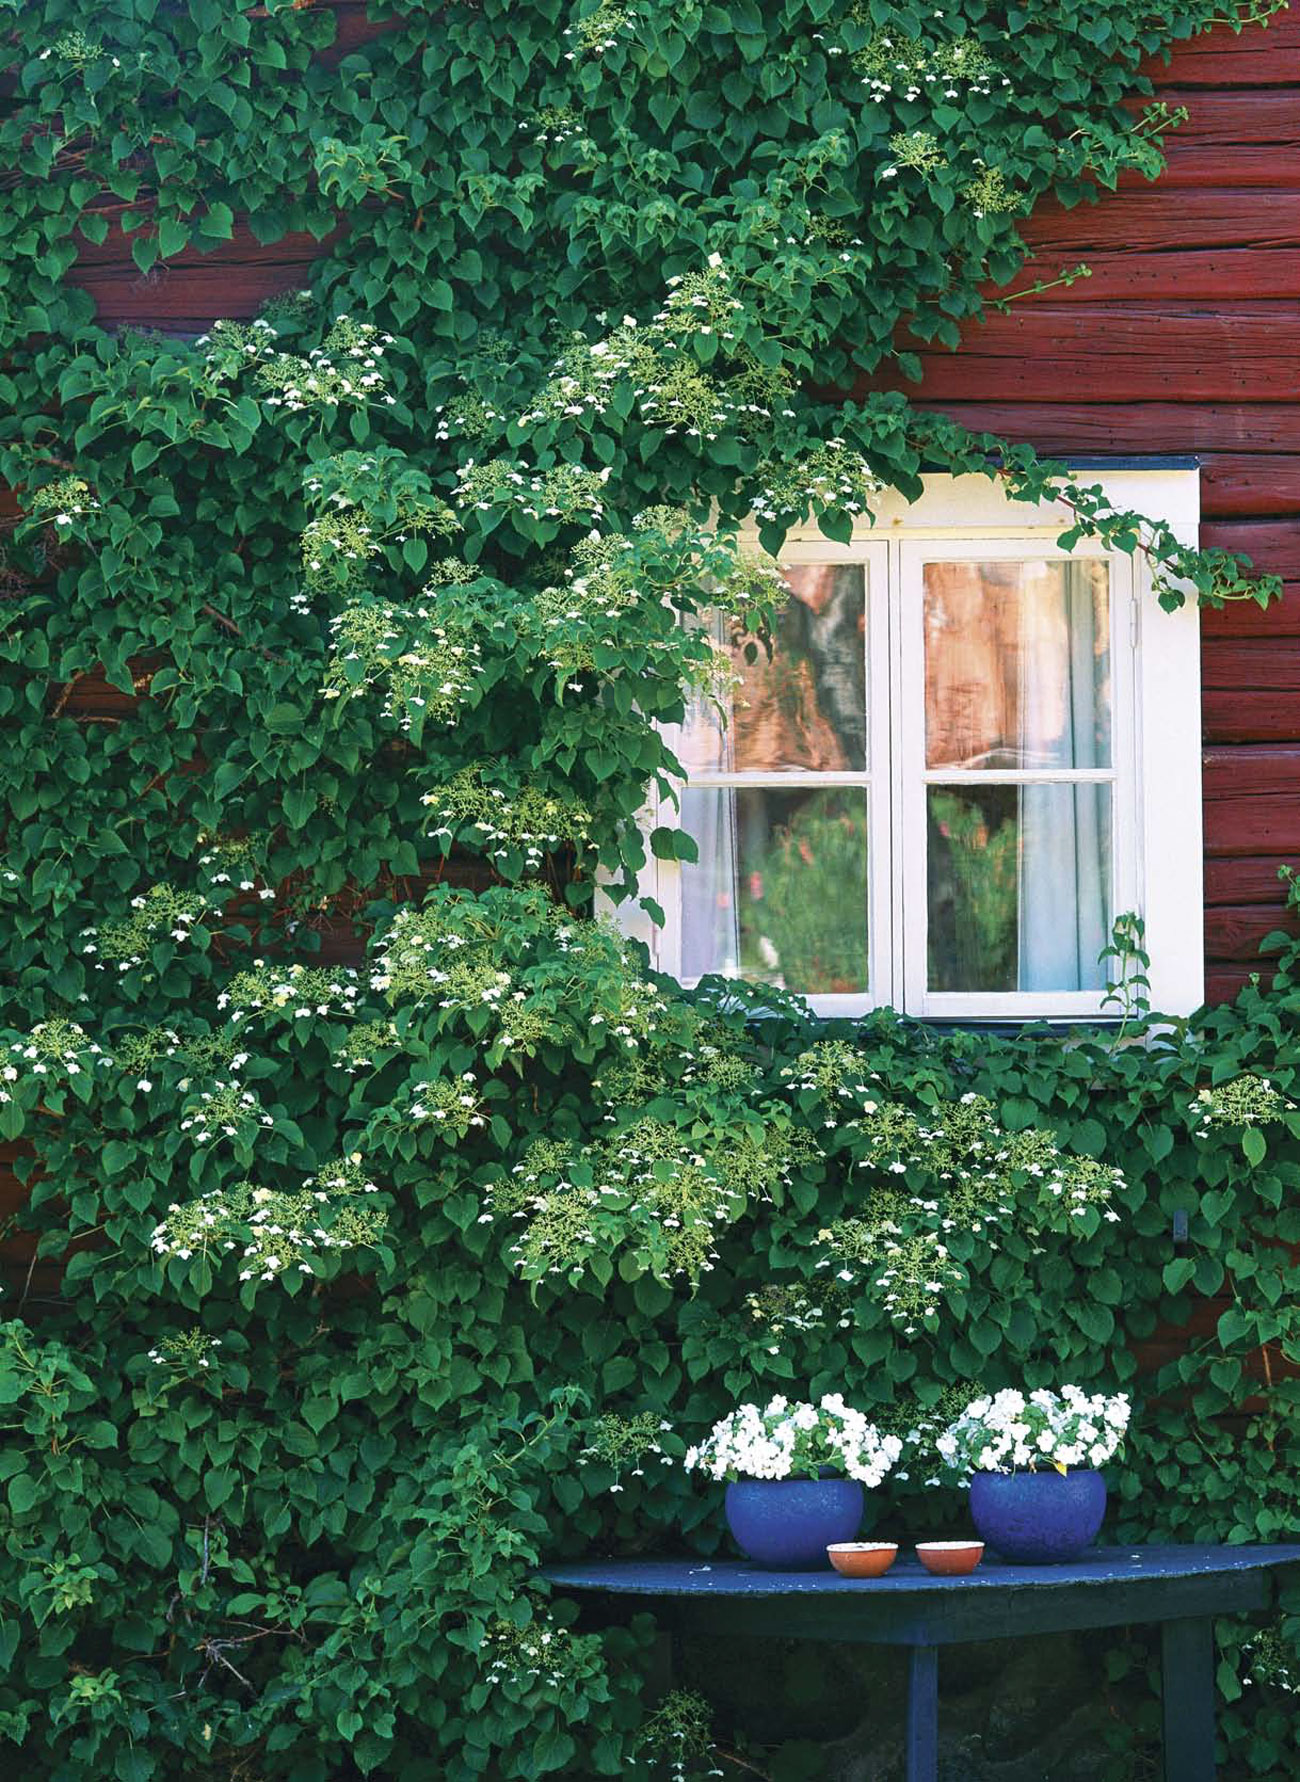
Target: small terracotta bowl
<point x="863" y="1559"/>
<point x="950" y="1559"/>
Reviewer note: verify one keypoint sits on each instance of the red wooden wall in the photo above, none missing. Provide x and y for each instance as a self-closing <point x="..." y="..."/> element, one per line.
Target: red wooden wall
<point x="1186" y="339"/>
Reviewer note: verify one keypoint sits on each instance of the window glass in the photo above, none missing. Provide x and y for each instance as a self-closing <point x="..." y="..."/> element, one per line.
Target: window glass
<point x="1018" y="802"/>
<point x="1018" y="886"/>
<point x="779" y="894"/>
<point x="804" y="708"/>
<point x="1017" y="664"/>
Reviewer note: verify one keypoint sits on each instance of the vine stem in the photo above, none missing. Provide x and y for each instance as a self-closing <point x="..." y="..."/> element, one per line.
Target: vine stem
<point x="741" y="1763"/>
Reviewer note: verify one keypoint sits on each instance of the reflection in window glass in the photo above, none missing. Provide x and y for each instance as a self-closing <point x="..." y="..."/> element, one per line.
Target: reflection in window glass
<point x="1019" y="886"/>
<point x="779" y="894"/>
<point x="1017" y="664"/>
<point x="805" y="707"/>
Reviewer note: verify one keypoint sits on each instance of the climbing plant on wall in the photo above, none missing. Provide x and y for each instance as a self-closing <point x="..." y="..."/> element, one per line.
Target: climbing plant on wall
<point x="379" y="1273"/>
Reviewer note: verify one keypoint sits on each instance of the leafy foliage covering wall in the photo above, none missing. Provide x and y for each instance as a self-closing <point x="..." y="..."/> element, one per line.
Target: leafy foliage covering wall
<point x="377" y="1281"/>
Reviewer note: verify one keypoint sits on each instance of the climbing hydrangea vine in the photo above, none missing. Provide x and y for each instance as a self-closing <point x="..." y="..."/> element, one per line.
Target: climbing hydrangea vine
<point x="381" y="1227"/>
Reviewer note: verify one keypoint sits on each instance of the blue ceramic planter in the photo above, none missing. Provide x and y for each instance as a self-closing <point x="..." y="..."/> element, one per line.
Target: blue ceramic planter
<point x="1038" y="1518"/>
<point x="786" y="1525"/>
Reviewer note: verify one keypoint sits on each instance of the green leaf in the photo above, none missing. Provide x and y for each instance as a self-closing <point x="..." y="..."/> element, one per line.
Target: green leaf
<point x="22" y="1493"/>
<point x="144" y="251"/>
<point x="1178" y="1273"/>
<point x="299" y="804"/>
<point x="668" y="843"/>
<point x="173" y="235"/>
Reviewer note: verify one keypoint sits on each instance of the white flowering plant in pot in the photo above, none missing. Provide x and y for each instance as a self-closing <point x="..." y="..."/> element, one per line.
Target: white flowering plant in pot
<point x="786" y="1440"/>
<point x="1010" y="1432"/>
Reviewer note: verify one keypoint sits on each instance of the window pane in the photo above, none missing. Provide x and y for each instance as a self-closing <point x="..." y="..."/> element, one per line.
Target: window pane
<point x="806" y="707"/>
<point x="1017" y="664"/>
<point x="779" y="893"/>
<point x="1019" y="886"/>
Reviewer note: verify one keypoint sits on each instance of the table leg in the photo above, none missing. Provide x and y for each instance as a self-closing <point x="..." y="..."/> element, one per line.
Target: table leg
<point x="922" y="1736"/>
<point x="1187" y="1677"/>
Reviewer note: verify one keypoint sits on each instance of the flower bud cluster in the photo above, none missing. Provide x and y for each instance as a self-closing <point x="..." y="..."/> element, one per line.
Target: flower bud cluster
<point x="1247" y="1100"/>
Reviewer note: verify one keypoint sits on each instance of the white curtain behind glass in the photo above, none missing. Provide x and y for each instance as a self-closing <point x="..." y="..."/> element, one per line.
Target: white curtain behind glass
<point x="1064" y="839"/>
<point x="710" y="924"/>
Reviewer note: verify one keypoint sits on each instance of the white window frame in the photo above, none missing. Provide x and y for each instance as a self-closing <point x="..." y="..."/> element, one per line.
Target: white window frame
<point x="1157" y="866"/>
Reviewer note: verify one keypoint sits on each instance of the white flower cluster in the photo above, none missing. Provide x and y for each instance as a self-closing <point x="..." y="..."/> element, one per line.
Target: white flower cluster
<point x="646" y="1189"/>
<point x="1010" y="1432"/>
<point x="831" y="477"/>
<point x="452" y="1105"/>
<point x="298" y="990"/>
<point x="984" y="1172"/>
<point x="598" y="31"/>
<point x="469" y="416"/>
<point x="420" y="954"/>
<point x="433" y="678"/>
<point x="532" y="821"/>
<point x="160" y="912"/>
<point x="567" y="492"/>
<point x="625" y="1443"/>
<point x="581" y="382"/>
<point x="63" y="501"/>
<point x="75" y="47"/>
<point x="275" y="1230"/>
<point x="911" y="1274"/>
<point x="358" y="1050"/>
<point x="183" y="1352"/>
<point x="785" y="1440"/>
<point x="224" y="1111"/>
<point x="55" y="1047"/>
<point x="1271" y="1661"/>
<point x="907" y="67"/>
<point x="343" y="369"/>
<point x="321" y="380"/>
<point x="1246" y="1101"/>
<point x="228" y="860"/>
<point x="540" y="1655"/>
<point x="835" y="1071"/>
<point x="799" y="1310"/>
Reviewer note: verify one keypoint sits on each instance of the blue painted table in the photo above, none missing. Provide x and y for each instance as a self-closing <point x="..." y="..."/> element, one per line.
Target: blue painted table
<point x="1182" y="1588"/>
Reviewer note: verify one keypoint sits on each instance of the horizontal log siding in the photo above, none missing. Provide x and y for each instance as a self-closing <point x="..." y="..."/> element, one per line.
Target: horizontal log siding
<point x="1186" y="339"/>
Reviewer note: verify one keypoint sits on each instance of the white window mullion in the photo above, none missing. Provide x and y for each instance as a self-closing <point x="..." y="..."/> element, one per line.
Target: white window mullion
<point x="908" y="781"/>
<point x="885" y="855"/>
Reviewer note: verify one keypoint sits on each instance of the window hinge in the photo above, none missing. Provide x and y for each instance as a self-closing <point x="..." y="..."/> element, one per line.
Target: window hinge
<point x="1133" y="624"/>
